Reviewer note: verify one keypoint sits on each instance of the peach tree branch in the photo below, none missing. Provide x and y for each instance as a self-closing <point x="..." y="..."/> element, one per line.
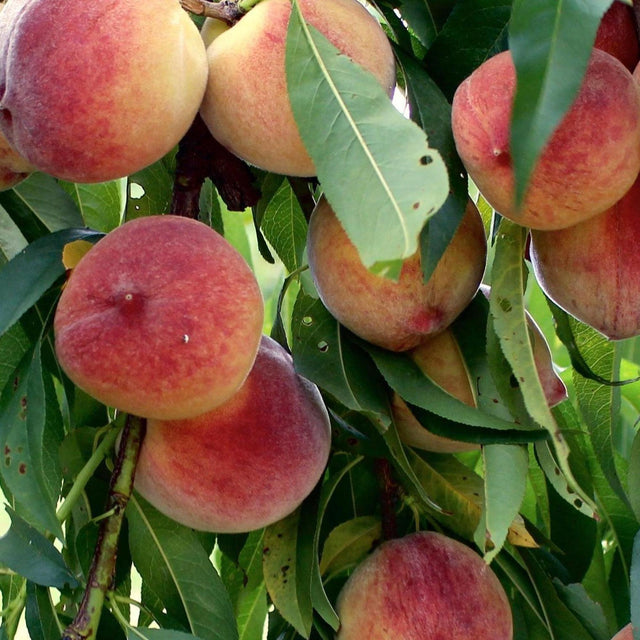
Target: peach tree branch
<point x="101" y="572"/>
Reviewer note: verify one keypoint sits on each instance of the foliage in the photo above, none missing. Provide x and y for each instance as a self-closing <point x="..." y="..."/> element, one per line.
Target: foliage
<point x="553" y="498"/>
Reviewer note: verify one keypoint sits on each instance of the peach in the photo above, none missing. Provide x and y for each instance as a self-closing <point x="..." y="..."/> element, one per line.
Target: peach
<point x="424" y="585"/>
<point x="590" y="161"/>
<point x="13" y="167"/>
<point x="618" y="35"/>
<point x="626" y="633"/>
<point x="162" y="319"/>
<point x="114" y="89"/>
<point x="440" y="359"/>
<point x="211" y="29"/>
<point x="396" y="315"/>
<point x="592" y="269"/>
<point x="246" y="105"/>
<point x="246" y="464"/>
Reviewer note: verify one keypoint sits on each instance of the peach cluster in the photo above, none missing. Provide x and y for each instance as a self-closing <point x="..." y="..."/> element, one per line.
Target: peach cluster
<point x="163" y="319"/>
<point x="582" y="200"/>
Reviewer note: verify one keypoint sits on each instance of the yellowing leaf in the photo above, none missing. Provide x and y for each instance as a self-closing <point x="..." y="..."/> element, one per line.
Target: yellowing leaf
<point x="74" y="251"/>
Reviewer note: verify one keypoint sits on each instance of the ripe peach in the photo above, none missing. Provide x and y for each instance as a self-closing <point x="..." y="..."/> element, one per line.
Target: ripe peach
<point x="441" y="360"/>
<point x="588" y="164"/>
<point x="13" y="167"/>
<point x="246" y="464"/>
<point x="424" y="585"/>
<point x="592" y="269"/>
<point x="396" y="315"/>
<point x="211" y="29"/>
<point x="618" y="35"/>
<point x="113" y="90"/>
<point x="162" y="318"/>
<point x="246" y="106"/>
<point x="626" y="633"/>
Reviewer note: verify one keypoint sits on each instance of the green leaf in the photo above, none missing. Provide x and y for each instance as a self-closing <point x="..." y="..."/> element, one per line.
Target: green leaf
<point x="27" y="552"/>
<point x="509" y="316"/>
<point x="23" y="431"/>
<point x="244" y="580"/>
<point x="323" y="353"/>
<point x="348" y="543"/>
<point x="42" y="199"/>
<point x="474" y="31"/>
<point x="586" y="610"/>
<point x="417" y="14"/>
<point x="404" y="376"/>
<point x="431" y="111"/>
<point x="289" y="591"/>
<point x="170" y="558"/>
<point x="11" y="239"/>
<point x="25" y="278"/>
<point x="284" y="226"/>
<point x="150" y="191"/>
<point x="346" y="121"/>
<point x="551" y="41"/>
<point x="14" y="344"/>
<point x="634" y="476"/>
<point x="158" y="634"/>
<point x="505" y="479"/>
<point x="40" y="614"/>
<point x="599" y="404"/>
<point x="101" y="204"/>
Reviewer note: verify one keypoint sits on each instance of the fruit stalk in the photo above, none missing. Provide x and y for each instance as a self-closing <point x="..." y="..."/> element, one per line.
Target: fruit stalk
<point x="228" y="11"/>
<point x="100" y="578"/>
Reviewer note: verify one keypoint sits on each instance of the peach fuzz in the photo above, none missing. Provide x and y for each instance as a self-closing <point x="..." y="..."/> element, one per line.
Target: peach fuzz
<point x="592" y="269"/>
<point x="246" y="105"/>
<point x="588" y="164"/>
<point x="618" y="34"/>
<point x="115" y="88"/>
<point x="395" y="315"/>
<point x="246" y="464"/>
<point x="424" y="585"/>
<point x="162" y="319"/>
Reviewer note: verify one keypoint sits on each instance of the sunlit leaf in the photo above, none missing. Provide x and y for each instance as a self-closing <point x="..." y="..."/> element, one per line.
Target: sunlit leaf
<point x="551" y="42"/>
<point x="174" y="563"/>
<point x="346" y="120"/>
<point x="101" y="205"/>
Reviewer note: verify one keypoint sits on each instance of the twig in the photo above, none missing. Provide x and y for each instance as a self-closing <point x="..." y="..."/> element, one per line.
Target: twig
<point x="85" y="624"/>
<point x="226" y="10"/>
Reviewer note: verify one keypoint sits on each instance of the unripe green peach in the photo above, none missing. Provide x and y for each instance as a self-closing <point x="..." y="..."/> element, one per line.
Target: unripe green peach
<point x="162" y="319"/>
<point x="246" y="464"/>
<point x="246" y="105"/>
<point x="90" y="92"/>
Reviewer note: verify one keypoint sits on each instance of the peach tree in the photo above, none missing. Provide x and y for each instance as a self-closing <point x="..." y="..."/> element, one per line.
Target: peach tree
<point x="513" y="430"/>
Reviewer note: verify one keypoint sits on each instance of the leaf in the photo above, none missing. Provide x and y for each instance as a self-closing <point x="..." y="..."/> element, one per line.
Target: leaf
<point x="25" y="278"/>
<point x="586" y="610"/>
<point x="101" y="204"/>
<point x="27" y="552"/>
<point x="404" y="376"/>
<point x="323" y="353"/>
<point x="346" y="121"/>
<point x="40" y="614"/>
<point x="599" y="404"/>
<point x="281" y="572"/>
<point x="431" y="111"/>
<point x="23" y="430"/>
<point x="285" y="227"/>
<point x="144" y="633"/>
<point x="417" y="14"/>
<point x="348" y="543"/>
<point x="505" y="479"/>
<point x="150" y="191"/>
<point x="509" y="316"/>
<point x="551" y="41"/>
<point x="11" y="239"/>
<point x="41" y="198"/>
<point x="474" y="31"/>
<point x="170" y="558"/>
<point x="635" y="583"/>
